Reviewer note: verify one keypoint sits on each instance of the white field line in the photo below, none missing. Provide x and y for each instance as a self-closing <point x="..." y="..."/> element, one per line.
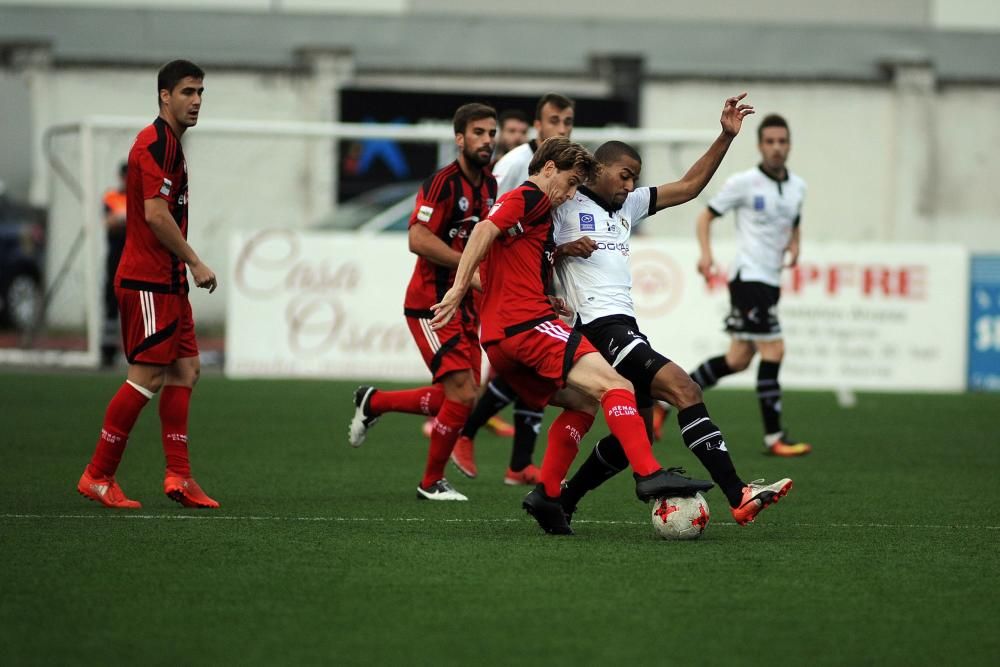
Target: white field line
<point x="117" y="516"/>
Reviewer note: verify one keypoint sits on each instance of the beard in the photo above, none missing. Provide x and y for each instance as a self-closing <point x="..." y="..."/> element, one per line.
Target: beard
<point x="474" y="158"/>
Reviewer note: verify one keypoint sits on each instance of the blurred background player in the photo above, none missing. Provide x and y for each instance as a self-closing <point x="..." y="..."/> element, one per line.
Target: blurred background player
<point x="592" y="231"/>
<point x="152" y="290"/>
<point x="114" y="226"/>
<point x="514" y="125"/>
<point x="768" y="204"/>
<point x="554" y="114"/>
<point x="449" y="205"/>
<point x="538" y="354"/>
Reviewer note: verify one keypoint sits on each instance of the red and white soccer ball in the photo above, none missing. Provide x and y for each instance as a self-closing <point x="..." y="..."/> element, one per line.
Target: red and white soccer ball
<point x="680" y="518"/>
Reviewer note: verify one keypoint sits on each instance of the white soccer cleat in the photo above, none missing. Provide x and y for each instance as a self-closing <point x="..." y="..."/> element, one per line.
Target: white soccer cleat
<point x="439" y="490"/>
<point x="361" y="422"/>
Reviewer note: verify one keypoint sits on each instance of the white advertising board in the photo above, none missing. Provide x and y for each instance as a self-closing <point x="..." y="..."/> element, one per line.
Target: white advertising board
<point x="879" y="316"/>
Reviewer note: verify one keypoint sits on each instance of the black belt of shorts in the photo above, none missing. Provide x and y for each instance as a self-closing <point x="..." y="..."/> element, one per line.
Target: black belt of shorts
<point x="515" y="329"/>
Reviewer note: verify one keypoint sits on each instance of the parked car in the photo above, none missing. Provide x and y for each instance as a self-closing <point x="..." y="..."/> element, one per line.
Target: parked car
<point x="383" y="209"/>
<point x="22" y="262"/>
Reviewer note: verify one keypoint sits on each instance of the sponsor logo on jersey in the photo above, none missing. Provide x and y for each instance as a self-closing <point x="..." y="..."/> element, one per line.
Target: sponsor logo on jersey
<point x="165" y="188"/>
<point x="463" y="204"/>
<point x="424" y="213"/>
<point x="586" y="222"/>
<point x="758" y="202"/>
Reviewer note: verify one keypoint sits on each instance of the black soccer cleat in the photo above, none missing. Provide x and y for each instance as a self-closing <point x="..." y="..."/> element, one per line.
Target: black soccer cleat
<point x="668" y="484"/>
<point x="362" y="420"/>
<point x="547" y="512"/>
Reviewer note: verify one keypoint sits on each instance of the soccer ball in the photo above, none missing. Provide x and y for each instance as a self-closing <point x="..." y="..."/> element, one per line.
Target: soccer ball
<point x="680" y="518"/>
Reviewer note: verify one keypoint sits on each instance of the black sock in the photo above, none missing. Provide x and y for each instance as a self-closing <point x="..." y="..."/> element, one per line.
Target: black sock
<point x="711" y="372"/>
<point x="705" y="441"/>
<point x="769" y="395"/>
<point x="498" y="395"/>
<point x="527" y="422"/>
<point x="605" y="461"/>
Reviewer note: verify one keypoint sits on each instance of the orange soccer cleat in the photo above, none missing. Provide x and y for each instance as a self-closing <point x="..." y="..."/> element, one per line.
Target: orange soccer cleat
<point x="531" y="474"/>
<point x="781" y="445"/>
<point x="106" y="491"/>
<point x="463" y="455"/>
<point x="186" y="491"/>
<point x="500" y="427"/>
<point x="661" y="411"/>
<point x="757" y="496"/>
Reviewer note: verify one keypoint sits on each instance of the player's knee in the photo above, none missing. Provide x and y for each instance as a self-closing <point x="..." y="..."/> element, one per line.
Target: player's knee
<point x="687" y="393"/>
<point x="738" y="362"/>
<point x="615" y="381"/>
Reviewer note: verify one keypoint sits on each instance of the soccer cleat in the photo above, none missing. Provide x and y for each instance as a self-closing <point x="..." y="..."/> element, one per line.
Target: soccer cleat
<point x="439" y="490"/>
<point x="783" y="446"/>
<point x="187" y="492"/>
<point x="757" y="496"/>
<point x="500" y="427"/>
<point x="105" y="490"/>
<point x="661" y="411"/>
<point x="547" y="512"/>
<point x="362" y="421"/>
<point x="463" y="455"/>
<point x="530" y="475"/>
<point x="667" y="484"/>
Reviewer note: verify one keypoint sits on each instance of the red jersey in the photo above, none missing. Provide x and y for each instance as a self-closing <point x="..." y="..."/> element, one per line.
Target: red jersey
<point x="518" y="266"/>
<point x="449" y="206"/>
<point x="156" y="168"/>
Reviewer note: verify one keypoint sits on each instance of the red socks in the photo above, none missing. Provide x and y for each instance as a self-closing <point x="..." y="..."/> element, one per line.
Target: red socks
<point x="447" y="427"/>
<point x="626" y="424"/>
<point x="119" y="419"/>
<point x="174" y="402"/>
<point x="564" y="442"/>
<point x="421" y="401"/>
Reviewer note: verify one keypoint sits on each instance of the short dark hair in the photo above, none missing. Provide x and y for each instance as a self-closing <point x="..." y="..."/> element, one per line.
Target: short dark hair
<point x="560" y="102"/>
<point x="772" y="120"/>
<point x="174" y="71"/>
<point x="566" y="155"/>
<point x="467" y="113"/>
<point x="513" y="114"/>
<point x="611" y="151"/>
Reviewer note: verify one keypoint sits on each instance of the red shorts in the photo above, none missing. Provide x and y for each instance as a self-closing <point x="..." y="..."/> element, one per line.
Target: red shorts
<point x="157" y="329"/>
<point x="453" y="348"/>
<point x="536" y="362"/>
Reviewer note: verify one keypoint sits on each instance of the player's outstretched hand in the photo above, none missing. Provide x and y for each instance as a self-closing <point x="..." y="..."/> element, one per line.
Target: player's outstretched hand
<point x="582" y="247"/>
<point x="204" y="277"/>
<point x="444" y="311"/>
<point x="733" y="114"/>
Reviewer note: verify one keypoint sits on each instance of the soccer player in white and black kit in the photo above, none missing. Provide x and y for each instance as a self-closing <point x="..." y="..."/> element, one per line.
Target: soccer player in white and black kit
<point x="768" y="204"/>
<point x="592" y="233"/>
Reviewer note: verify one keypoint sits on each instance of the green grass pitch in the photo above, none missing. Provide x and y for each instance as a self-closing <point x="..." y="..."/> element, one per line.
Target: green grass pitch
<point x="884" y="553"/>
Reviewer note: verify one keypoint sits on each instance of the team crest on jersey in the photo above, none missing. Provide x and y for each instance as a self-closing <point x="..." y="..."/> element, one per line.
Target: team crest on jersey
<point x="758" y="202"/>
<point x="489" y="202"/>
<point x="463" y="204"/>
<point x="424" y="213"/>
<point x="165" y="188"/>
<point x="586" y="222"/>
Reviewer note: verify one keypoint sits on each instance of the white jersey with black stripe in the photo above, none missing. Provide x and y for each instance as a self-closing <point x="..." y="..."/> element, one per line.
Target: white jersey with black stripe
<point x="601" y="284"/>
<point x="766" y="212"/>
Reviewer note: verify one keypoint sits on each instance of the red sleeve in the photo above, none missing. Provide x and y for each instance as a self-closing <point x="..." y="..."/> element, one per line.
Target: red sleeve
<point x="155" y="183"/>
<point x="507" y="213"/>
<point x="433" y="204"/>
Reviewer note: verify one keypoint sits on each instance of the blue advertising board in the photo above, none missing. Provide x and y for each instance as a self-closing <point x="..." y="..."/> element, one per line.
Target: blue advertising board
<point x="984" y="323"/>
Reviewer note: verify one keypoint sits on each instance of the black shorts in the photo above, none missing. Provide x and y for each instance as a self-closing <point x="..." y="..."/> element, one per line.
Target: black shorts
<point x="618" y="339"/>
<point x="753" y="312"/>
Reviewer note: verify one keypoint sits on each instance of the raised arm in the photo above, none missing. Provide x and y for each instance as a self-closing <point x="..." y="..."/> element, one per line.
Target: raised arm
<point x="482" y="237"/>
<point x="701" y="172"/>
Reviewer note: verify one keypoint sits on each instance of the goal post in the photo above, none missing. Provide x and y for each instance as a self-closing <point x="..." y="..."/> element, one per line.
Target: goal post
<point x="246" y="175"/>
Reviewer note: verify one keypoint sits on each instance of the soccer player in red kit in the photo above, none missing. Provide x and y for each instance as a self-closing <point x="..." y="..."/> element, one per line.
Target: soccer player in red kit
<point x="449" y="205"/>
<point x="542" y="358"/>
<point x="152" y="289"/>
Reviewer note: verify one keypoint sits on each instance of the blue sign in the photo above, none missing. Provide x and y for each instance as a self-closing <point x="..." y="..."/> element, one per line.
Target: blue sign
<point x="984" y="324"/>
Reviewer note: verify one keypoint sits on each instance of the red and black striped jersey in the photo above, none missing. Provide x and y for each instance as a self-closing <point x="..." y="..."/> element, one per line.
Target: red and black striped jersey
<point x="449" y="206"/>
<point x="518" y="267"/>
<point x="156" y="168"/>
